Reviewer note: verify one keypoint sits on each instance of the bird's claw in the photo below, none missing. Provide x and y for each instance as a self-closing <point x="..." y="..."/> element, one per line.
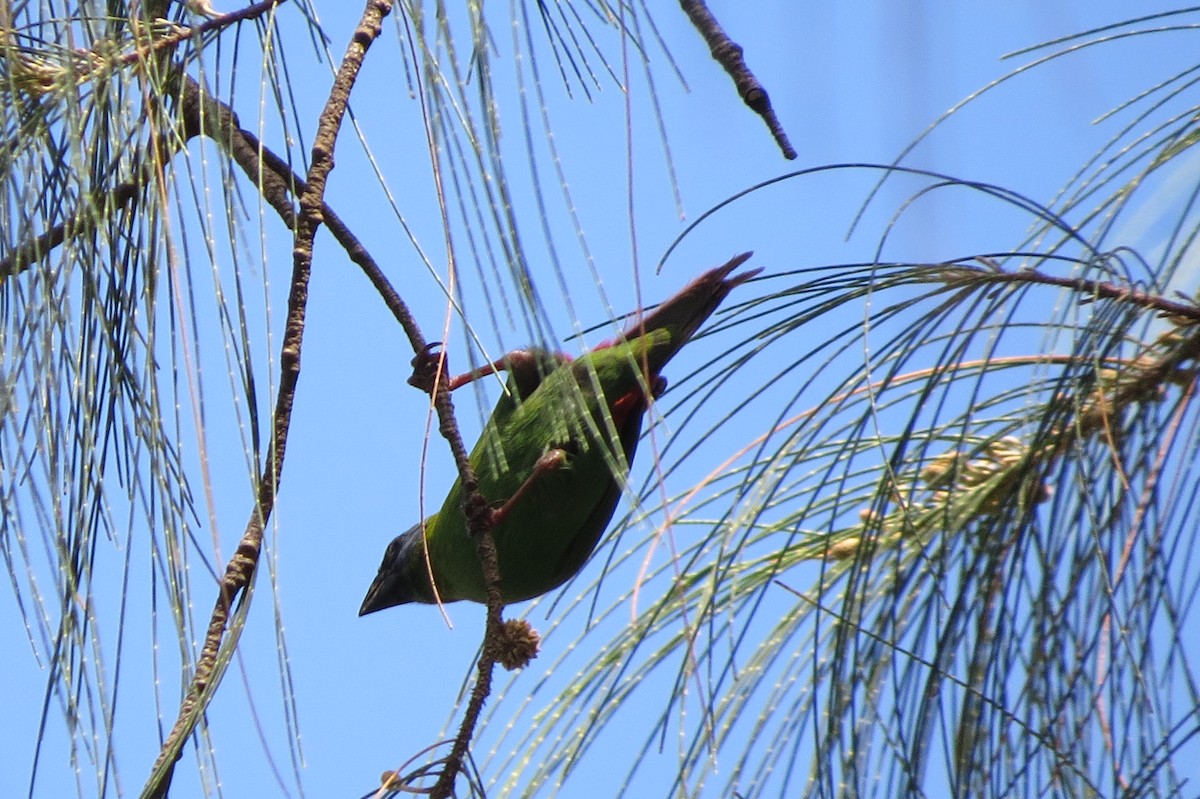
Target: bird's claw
<point x="427" y="365"/>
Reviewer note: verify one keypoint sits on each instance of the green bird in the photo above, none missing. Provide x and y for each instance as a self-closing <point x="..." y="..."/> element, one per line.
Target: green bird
<point x="552" y="459"/>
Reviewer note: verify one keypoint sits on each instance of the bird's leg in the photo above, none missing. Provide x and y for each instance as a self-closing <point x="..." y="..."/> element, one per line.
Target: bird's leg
<point x="526" y="369"/>
<point x="458" y="381"/>
<point x="551" y="461"/>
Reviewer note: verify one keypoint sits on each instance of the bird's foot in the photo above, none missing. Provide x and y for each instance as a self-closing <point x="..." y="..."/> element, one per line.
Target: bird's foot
<point x="428" y="365"/>
<point x="551" y="461"/>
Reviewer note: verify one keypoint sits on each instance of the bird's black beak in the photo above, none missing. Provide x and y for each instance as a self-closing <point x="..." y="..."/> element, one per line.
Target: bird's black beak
<point x="378" y="594"/>
<point x="393" y="584"/>
<point x="391" y="587"/>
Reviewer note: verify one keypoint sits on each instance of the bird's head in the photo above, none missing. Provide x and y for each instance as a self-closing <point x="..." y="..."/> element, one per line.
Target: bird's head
<point x="402" y="576"/>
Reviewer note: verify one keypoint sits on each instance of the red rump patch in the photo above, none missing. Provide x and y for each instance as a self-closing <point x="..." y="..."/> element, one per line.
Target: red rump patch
<point x="636" y="401"/>
<point x="623" y="406"/>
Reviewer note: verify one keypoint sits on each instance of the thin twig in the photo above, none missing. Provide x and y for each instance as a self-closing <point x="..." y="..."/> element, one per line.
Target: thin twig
<point x="278" y="183"/>
<point x="1101" y="289"/>
<point x="80" y="223"/>
<point x="201" y="114"/>
<point x="240" y="569"/>
<point x="728" y="54"/>
<point x="479" y="522"/>
<point x="219" y="22"/>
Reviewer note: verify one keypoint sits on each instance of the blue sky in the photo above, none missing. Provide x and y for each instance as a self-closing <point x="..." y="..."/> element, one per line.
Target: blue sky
<point x="852" y="83"/>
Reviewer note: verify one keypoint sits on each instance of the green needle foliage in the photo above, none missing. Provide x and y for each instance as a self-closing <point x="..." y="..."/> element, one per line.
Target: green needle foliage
<point x="958" y="569"/>
<point x="956" y="563"/>
<point x="942" y="538"/>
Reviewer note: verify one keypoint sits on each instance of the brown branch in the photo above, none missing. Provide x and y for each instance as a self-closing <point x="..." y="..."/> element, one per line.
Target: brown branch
<point x="181" y="34"/>
<point x="728" y="54"/>
<point x="240" y="570"/>
<point x="480" y="523"/>
<point x="1100" y="289"/>
<point x="202" y="114"/>
<point x="278" y="184"/>
<point x="82" y="221"/>
<point x="429" y="372"/>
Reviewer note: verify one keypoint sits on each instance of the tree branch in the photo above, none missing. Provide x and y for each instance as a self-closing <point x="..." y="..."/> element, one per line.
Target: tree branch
<point x="240" y="570"/>
<point x="728" y="54"/>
